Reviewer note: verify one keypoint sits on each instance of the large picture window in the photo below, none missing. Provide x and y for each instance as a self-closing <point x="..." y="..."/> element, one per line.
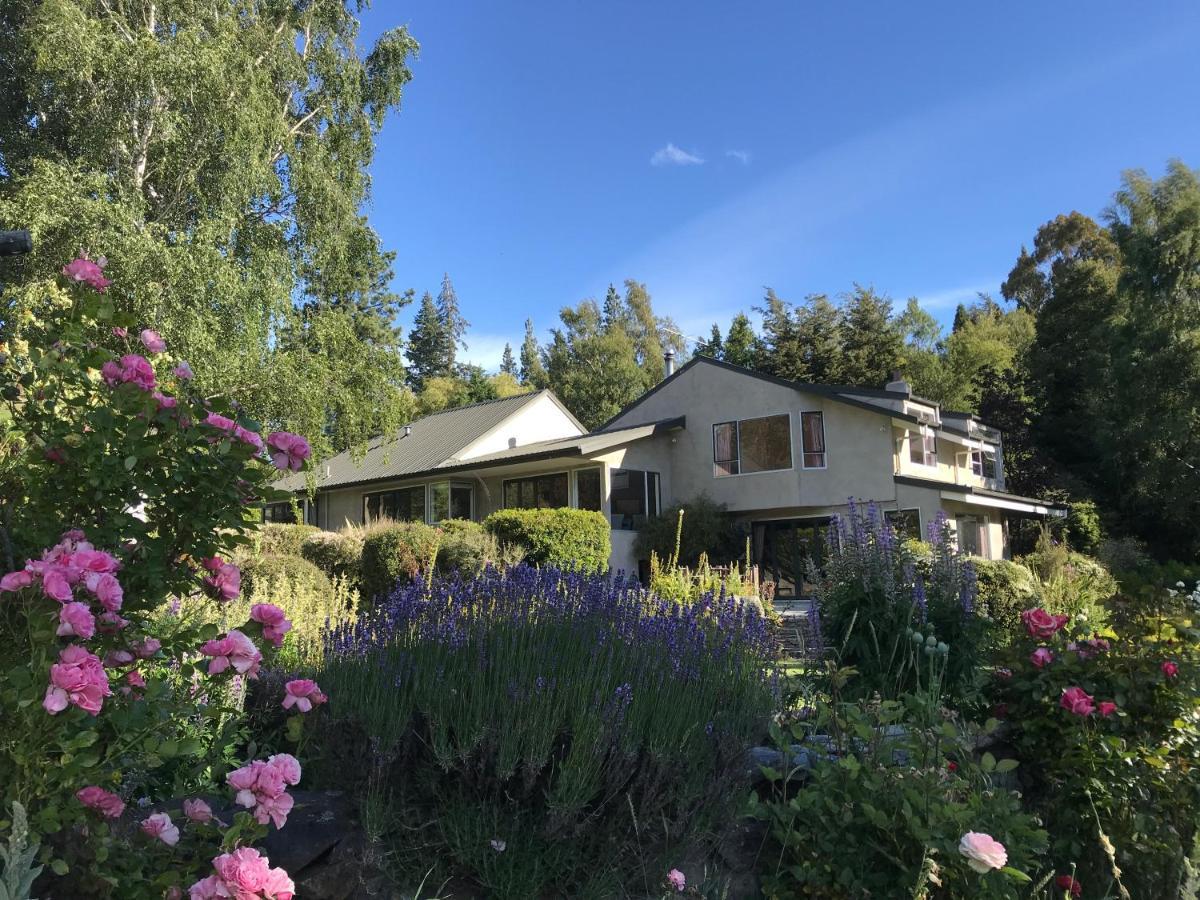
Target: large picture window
<point x="812" y="432"/>
<point x="589" y="489"/>
<point x="279" y="512"/>
<point x="403" y="505"/>
<point x="634" y="497"/>
<point x="537" y="492"/>
<point x="752" y="445"/>
<point x="905" y="522"/>
<point x="450" y="500"/>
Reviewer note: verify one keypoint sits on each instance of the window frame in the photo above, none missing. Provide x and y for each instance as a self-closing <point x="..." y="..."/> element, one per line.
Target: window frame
<point x="804" y="451"/>
<point x="889" y="513"/>
<point x="648" y="476"/>
<point x="736" y="461"/>
<point x="566" y="473"/>
<point x="267" y="511"/>
<point x="575" y="473"/>
<point x="425" y="507"/>
<point x="982" y="455"/>
<point x="928" y="450"/>
<point x="430" y="512"/>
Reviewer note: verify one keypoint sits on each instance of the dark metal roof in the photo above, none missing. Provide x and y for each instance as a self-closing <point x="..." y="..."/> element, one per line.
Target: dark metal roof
<point x="979" y="491"/>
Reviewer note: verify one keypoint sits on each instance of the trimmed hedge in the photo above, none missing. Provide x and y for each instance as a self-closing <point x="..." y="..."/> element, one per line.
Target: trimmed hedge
<point x="467" y="547"/>
<point x="261" y="571"/>
<point x="394" y="554"/>
<point x="277" y="538"/>
<point x="337" y="554"/>
<point x="1006" y="589"/>
<point x="567" y="538"/>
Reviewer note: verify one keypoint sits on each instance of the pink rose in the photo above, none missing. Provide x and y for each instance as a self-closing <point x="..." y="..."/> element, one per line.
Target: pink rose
<point x="262" y="787"/>
<point x="108" y="591"/>
<point x="244" y="874"/>
<point x="55" y="584"/>
<point x="114" y="659"/>
<point x="147" y="647"/>
<point x="15" y="581"/>
<point x="77" y="678"/>
<point x="104" y="802"/>
<point x="111" y="623"/>
<point x="135" y="680"/>
<point x="152" y="340"/>
<point x="1169" y="669"/>
<point x="184" y="372"/>
<point x="197" y="811"/>
<point x="246" y="436"/>
<point x="1041" y="625"/>
<point x="273" y="620"/>
<point x="76" y="620"/>
<point x="132" y="369"/>
<point x="288" y="451"/>
<point x="120" y="331"/>
<point x="160" y="826"/>
<point x="234" y="650"/>
<point x="226" y="580"/>
<point x="1041" y="657"/>
<point x="1076" y="701"/>
<point x="111" y="373"/>
<point x="1106" y="707"/>
<point x="287" y="766"/>
<point x="303" y="694"/>
<point x="982" y="851"/>
<point x="84" y="271"/>
<point x="676" y="880"/>
<point x="220" y="422"/>
<point x="163" y="401"/>
<point x="94" y="561"/>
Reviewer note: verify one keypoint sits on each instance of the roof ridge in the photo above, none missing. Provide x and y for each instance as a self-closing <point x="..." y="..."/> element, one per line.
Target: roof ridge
<point x="527" y="395"/>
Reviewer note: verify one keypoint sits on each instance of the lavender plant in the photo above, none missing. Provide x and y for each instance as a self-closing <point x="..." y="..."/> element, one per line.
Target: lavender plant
<point x="567" y="707"/>
<point x="899" y="620"/>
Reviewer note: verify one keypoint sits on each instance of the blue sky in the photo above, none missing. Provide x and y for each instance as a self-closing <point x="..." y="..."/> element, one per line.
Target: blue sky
<point x="548" y="147"/>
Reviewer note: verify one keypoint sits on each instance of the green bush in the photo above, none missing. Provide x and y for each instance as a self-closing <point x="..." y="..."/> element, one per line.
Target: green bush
<point x="707" y="529"/>
<point x="1072" y="583"/>
<point x="261" y="571"/>
<point x="1082" y="529"/>
<point x="567" y="538"/>
<point x="277" y="538"/>
<point x="468" y="547"/>
<point x="337" y="554"/>
<point x="1006" y="589"/>
<point x="394" y="554"/>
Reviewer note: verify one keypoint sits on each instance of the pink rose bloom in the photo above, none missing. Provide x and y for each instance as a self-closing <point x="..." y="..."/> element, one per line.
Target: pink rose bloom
<point x="152" y="340"/>
<point x="222" y="422"/>
<point x="287" y="766"/>
<point x="226" y="580"/>
<point x="1041" y="657"/>
<point x="163" y="401"/>
<point x="288" y="451"/>
<point x="274" y="809"/>
<point x="184" y="371"/>
<point x="135" y="680"/>
<point x="77" y="678"/>
<point x="111" y="623"/>
<point x="246" y="436"/>
<point x="84" y="271"/>
<point x="262" y="787"/>
<point x="273" y="620"/>
<point x="56" y="584"/>
<point x="983" y="852"/>
<point x="302" y="693"/>
<point x="111" y="373"/>
<point x="94" y="561"/>
<point x="104" y="802"/>
<point x="76" y="620"/>
<point x="197" y="811"/>
<point x="108" y="591"/>
<point x="1077" y="701"/>
<point x="676" y="880"/>
<point x="1041" y="625"/>
<point x="234" y="650"/>
<point x="1169" y="669"/>
<point x="132" y="369"/>
<point x="244" y="874"/>
<point x="147" y="647"/>
<point x="120" y="331"/>
<point x="1106" y="707"/>
<point x="114" y="659"/>
<point x="160" y="826"/>
<point x="15" y="581"/>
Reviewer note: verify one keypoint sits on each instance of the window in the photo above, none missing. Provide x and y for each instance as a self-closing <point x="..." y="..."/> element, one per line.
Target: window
<point x="983" y="463"/>
<point x="812" y="432"/>
<point x="403" y="505"/>
<point x="922" y="447"/>
<point x="905" y="522"/>
<point x="753" y="445"/>
<point x="311" y="511"/>
<point x="634" y="497"/>
<point x="537" y="492"/>
<point x="450" y="500"/>
<point x="589" y="493"/>
<point x="279" y="512"/>
<point x="973" y="535"/>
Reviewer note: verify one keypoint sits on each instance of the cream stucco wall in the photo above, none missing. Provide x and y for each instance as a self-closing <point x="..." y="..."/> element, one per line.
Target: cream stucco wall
<point x="953" y="461"/>
<point x="542" y="419"/>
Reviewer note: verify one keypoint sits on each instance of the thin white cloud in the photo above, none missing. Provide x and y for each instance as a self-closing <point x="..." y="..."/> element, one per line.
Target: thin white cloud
<point x="486" y="349"/>
<point x="951" y="297"/>
<point x="742" y="156"/>
<point x="671" y="155"/>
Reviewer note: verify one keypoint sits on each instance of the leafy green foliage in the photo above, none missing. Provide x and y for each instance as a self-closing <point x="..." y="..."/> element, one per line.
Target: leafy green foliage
<point x="467" y="547"/>
<point x="337" y="554"/>
<point x="566" y="538"/>
<point x="1006" y="589"/>
<point x="393" y="554"/>
<point x="259" y="571"/>
<point x="281" y="538"/>
<point x="707" y="529"/>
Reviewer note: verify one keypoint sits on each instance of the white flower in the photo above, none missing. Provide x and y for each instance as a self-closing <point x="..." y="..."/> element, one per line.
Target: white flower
<point x="498" y="845"/>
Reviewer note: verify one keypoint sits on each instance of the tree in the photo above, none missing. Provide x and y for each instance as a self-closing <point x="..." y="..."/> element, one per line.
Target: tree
<point x="533" y="371"/>
<point x="614" y="313"/>
<point x="741" y="343"/>
<point x="594" y="370"/>
<point x="453" y="325"/>
<point x="779" y="352"/>
<point x="508" y="364"/>
<point x="217" y="155"/>
<point x="651" y="335"/>
<point x="713" y="348"/>
<point x="819" y="336"/>
<point x="872" y="346"/>
<point x="427" y="345"/>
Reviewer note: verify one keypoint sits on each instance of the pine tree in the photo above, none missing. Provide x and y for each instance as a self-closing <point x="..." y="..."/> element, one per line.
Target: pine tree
<point x="741" y="343"/>
<point x="533" y="371"/>
<point x="819" y="335"/>
<point x="713" y="347"/>
<point x="426" y="345"/>
<point x="508" y="364"/>
<point x="872" y="346"/>
<point x="779" y="351"/>
<point x="614" y="313"/>
<point x="453" y="325"/>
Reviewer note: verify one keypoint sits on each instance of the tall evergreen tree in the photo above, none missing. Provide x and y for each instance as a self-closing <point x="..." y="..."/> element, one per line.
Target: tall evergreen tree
<point x="872" y="346"/>
<point x="713" y="348"/>
<point x="427" y="345"/>
<point x="533" y="370"/>
<point x="508" y="364"/>
<point x="614" y="313"/>
<point x="818" y="335"/>
<point x="779" y="351"/>
<point x="453" y="325"/>
<point x="741" y="343"/>
<point x="594" y="370"/>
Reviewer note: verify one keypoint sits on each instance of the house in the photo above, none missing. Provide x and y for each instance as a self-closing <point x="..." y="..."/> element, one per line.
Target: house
<point x="783" y="456"/>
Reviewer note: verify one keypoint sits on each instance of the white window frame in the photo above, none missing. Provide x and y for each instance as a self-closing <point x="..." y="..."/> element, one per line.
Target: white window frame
<point x="575" y="473"/>
<point x="927" y="454"/>
<point x="450" y="486"/>
<point x="737" y="436"/>
<point x="824" y="443"/>
<point x="977" y="468"/>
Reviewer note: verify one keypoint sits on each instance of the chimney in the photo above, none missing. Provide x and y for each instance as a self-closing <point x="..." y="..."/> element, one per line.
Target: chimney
<point x="668" y="363"/>
<point x="407" y="430"/>
<point x="898" y="385"/>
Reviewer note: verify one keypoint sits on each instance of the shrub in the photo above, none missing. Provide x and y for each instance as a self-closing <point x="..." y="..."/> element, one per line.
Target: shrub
<point x="279" y="538"/>
<point x="1071" y="582"/>
<point x="393" y="554"/>
<point x="556" y="712"/>
<point x="707" y="529"/>
<point x="878" y="798"/>
<point x="337" y="554"/>
<point x="468" y="547"/>
<point x="1006" y="589"/>
<point x="1123" y="554"/>
<point x="257" y="573"/>
<point x="1082" y="528"/>
<point x="566" y="538"/>
<point x="1117" y="785"/>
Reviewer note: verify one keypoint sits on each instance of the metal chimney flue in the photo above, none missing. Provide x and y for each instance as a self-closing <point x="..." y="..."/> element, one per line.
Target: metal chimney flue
<point x="668" y="363"/>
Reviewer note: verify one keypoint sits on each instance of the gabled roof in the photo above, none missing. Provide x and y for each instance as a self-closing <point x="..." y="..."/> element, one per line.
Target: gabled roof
<point x="428" y="443"/>
<point x="836" y="392"/>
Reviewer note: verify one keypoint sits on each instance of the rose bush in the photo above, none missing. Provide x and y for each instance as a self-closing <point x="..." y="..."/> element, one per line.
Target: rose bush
<point x="123" y="490"/>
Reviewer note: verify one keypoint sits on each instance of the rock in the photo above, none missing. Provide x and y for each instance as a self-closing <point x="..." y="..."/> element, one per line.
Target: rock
<point x="318" y="822"/>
